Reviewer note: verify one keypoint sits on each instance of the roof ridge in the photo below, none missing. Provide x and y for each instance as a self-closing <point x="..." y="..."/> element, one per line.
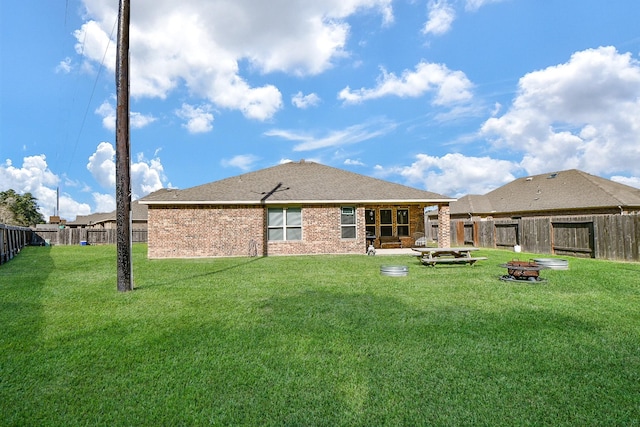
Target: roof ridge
<point x="598" y="181"/>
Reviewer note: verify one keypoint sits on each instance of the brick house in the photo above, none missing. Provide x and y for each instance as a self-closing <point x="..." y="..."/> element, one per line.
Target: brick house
<point x="291" y="209"/>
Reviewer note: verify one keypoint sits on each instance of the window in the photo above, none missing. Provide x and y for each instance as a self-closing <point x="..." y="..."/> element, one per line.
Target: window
<point x="370" y="221"/>
<point x="348" y="223"/>
<point x="284" y="224"/>
<point x="402" y="220"/>
<point x="386" y="223"/>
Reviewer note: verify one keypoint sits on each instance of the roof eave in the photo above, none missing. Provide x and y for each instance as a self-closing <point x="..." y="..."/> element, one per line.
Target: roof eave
<point x="280" y="202"/>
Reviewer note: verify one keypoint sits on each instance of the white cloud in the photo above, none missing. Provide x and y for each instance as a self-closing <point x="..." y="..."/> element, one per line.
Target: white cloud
<point x="200" y="43"/>
<point x="33" y="174"/>
<point x="582" y="114"/>
<point x="456" y="175"/>
<point x="633" y="181"/>
<point x="104" y="202"/>
<point x="450" y="87"/>
<point x="351" y="135"/>
<point x="199" y="119"/>
<point x="441" y="16"/>
<point x="146" y="175"/>
<point x="243" y="161"/>
<point x="64" y="66"/>
<point x="108" y="113"/>
<point x="353" y="162"/>
<point x="474" y="5"/>
<point x="36" y="178"/>
<point x="102" y="165"/>
<point x="305" y="101"/>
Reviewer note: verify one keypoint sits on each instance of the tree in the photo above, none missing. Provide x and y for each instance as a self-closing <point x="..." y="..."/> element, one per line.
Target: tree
<point x="19" y="209"/>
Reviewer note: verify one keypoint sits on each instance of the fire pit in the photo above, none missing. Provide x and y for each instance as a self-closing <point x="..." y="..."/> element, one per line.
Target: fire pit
<point x="522" y="271"/>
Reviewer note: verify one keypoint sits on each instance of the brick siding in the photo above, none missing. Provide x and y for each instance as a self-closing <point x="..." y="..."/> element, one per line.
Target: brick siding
<point x="204" y="231"/>
<point x="444" y="226"/>
<point x="218" y="231"/>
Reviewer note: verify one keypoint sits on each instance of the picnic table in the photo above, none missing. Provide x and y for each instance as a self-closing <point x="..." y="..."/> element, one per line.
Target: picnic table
<point x="461" y="255"/>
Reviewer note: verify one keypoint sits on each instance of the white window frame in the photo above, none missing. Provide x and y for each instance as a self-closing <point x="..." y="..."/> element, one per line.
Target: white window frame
<point x="284" y="227"/>
<point x="345" y="227"/>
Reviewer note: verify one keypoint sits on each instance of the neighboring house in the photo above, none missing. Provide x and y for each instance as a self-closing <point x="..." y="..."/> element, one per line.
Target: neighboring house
<point x="563" y="213"/>
<point x="293" y="208"/>
<point x="570" y="192"/>
<point x="108" y="220"/>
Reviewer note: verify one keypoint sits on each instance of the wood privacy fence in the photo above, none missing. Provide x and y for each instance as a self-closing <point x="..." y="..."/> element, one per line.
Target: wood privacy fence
<point x="614" y="237"/>
<point x="89" y="236"/>
<point x="12" y="240"/>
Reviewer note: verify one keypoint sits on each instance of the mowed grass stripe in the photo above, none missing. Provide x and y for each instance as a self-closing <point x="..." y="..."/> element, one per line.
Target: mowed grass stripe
<point x="316" y="340"/>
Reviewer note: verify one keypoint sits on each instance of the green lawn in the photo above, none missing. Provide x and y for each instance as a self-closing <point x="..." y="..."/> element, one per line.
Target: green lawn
<point x="317" y="340"/>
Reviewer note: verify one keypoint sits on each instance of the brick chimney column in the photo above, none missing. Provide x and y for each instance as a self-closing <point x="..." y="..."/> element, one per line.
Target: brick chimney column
<point x="444" y="226"/>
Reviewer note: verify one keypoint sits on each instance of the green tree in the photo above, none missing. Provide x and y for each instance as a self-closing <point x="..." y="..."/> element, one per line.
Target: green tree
<point x="20" y="209"/>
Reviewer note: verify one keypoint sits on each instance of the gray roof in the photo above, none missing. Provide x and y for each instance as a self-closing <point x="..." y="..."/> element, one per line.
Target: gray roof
<point x="558" y="191"/>
<point x="470" y="204"/>
<point x="139" y="212"/>
<point x="296" y="182"/>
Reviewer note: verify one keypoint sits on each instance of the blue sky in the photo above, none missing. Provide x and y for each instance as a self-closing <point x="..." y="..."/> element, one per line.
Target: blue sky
<point x="452" y="96"/>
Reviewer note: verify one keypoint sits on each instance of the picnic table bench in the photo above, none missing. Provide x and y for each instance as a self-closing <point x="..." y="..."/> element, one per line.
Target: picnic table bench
<point x="433" y="256"/>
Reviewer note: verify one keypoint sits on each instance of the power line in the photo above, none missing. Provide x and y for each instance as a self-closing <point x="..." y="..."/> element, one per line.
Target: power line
<point x="93" y="90"/>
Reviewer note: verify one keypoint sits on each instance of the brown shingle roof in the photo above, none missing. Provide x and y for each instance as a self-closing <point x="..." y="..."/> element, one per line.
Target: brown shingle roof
<point x="470" y="204"/>
<point x="139" y="212"/>
<point x="295" y="182"/>
<point x="559" y="191"/>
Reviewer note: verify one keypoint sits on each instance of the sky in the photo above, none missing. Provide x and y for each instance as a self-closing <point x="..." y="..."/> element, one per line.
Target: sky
<point x="451" y="96"/>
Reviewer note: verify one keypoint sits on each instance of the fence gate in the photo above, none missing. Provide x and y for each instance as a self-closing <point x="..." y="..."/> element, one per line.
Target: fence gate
<point x="573" y="238"/>
<point x="506" y="235"/>
<point x="470" y="233"/>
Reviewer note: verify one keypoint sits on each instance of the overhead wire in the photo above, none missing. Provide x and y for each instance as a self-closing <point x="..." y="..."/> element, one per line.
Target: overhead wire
<point x="93" y="90"/>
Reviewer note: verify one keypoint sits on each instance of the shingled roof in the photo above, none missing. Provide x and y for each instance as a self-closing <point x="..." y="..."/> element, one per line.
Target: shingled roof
<point x="295" y="182"/>
<point x="559" y="191"/>
<point x="138" y="213"/>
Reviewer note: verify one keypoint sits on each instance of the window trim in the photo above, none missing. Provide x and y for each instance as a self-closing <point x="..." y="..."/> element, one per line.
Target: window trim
<point x="384" y="227"/>
<point x="284" y="227"/>
<point x="344" y="211"/>
<point x="404" y="225"/>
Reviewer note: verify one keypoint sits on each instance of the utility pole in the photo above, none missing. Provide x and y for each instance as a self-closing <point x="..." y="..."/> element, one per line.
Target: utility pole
<point x="123" y="153"/>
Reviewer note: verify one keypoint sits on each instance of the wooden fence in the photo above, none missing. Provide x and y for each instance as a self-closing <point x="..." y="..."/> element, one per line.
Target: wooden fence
<point x="89" y="236"/>
<point x="12" y="240"/>
<point x="614" y="237"/>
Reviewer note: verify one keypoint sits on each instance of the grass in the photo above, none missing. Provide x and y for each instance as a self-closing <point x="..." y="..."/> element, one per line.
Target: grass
<point x="318" y="340"/>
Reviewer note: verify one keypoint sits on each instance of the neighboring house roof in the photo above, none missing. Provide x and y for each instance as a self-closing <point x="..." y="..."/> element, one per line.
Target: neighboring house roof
<point x="139" y="212"/>
<point x="559" y="191"/>
<point x="295" y="182"/>
<point x="470" y="204"/>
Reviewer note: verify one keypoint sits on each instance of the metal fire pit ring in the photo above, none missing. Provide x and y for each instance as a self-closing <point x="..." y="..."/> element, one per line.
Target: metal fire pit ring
<point x="394" y="270"/>
<point x="522" y="271"/>
<point x="553" y="263"/>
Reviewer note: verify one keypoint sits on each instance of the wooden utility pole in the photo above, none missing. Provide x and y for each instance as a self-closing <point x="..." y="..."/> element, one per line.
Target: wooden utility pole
<point x="123" y="153"/>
